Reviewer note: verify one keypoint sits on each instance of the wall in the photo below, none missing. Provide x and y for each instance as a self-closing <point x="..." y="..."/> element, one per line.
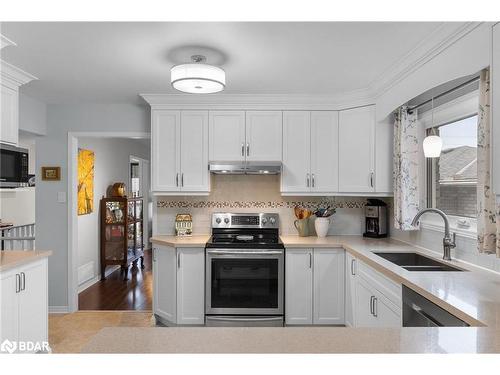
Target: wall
<point x="32" y="115"/>
<point x="52" y="216"/>
<point x="111" y="165"/>
<point x="237" y="193"/>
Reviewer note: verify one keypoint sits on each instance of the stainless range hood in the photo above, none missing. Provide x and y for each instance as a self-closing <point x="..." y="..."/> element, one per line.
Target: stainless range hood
<point x="240" y="167"/>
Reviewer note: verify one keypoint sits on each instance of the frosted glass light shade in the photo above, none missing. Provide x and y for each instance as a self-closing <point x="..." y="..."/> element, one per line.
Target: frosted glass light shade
<point x="198" y="78"/>
<point x="432" y="146"/>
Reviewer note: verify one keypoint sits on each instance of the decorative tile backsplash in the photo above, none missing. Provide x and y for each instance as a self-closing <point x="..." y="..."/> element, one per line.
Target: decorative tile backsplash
<point x="237" y="193"/>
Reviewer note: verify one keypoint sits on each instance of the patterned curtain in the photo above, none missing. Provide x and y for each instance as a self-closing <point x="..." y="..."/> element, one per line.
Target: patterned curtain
<point x="488" y="227"/>
<point x="405" y="172"/>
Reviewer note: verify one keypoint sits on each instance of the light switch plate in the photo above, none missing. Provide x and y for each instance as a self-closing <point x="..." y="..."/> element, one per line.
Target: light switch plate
<point x="61" y="196"/>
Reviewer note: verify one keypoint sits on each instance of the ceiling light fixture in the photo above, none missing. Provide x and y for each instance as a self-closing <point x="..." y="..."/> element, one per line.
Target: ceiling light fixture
<point x="433" y="143"/>
<point x="198" y="77"/>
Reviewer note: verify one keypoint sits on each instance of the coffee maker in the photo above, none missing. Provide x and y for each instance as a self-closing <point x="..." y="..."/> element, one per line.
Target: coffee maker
<point x="375" y="219"/>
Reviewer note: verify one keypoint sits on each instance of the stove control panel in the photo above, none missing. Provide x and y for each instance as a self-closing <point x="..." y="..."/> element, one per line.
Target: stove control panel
<point x="232" y="220"/>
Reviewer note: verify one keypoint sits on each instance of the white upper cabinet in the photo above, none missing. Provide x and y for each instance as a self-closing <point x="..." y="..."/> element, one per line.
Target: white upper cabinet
<point x="264" y="134"/>
<point x="194" y="151"/>
<point x="9" y="131"/>
<point x="310" y="152"/>
<point x="165" y="150"/>
<point x="296" y="173"/>
<point x="227" y="135"/>
<point x="324" y="151"/>
<point x="179" y="152"/>
<point x="356" y="150"/>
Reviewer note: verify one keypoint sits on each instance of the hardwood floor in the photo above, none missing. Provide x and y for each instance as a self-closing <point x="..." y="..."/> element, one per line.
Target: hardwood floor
<point x="116" y="294"/>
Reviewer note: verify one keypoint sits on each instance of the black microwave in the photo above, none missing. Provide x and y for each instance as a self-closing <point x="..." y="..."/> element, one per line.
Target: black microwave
<point x="13" y="166"/>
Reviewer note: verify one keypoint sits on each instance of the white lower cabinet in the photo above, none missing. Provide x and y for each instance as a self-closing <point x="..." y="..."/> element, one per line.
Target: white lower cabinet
<point x="314" y="286"/>
<point x="350" y="290"/>
<point x="179" y="285"/>
<point x="24" y="304"/>
<point x="377" y="299"/>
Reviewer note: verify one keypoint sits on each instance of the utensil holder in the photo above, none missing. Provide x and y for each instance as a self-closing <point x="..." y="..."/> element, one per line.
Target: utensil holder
<point x="302" y="227"/>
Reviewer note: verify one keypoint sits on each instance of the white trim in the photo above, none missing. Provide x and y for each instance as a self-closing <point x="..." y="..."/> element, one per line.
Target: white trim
<point x="5" y="42"/>
<point x="58" y="309"/>
<point x="72" y="205"/>
<point x="14" y="75"/>
<point x="356" y="98"/>
<point x="336" y="194"/>
<point x="87" y="284"/>
<point x="447" y="34"/>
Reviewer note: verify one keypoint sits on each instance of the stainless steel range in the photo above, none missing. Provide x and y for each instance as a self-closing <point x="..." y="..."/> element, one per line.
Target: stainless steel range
<point x="244" y="271"/>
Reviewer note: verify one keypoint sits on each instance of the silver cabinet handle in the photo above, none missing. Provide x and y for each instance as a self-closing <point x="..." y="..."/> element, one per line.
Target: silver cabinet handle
<point x="248" y="149"/>
<point x="178" y="260"/>
<point x="313" y="181"/>
<point x="154" y="255"/>
<point x="310" y="260"/>
<point x="177" y="179"/>
<point x="352" y="267"/>
<point x="371" y="305"/>
<point x="182" y="179"/>
<point x="307" y="179"/>
<point x="242" y="149"/>
<point x="18" y="283"/>
<point x="371" y="179"/>
<point x="23" y="281"/>
<point x="375" y="306"/>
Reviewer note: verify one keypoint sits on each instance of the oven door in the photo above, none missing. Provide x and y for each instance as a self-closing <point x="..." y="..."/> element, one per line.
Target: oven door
<point x="244" y="281"/>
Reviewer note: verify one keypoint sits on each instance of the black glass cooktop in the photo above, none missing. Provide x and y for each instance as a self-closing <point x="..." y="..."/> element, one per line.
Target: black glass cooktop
<point x="237" y="238"/>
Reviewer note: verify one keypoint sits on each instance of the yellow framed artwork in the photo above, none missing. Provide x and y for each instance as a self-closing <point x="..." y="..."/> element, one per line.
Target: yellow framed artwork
<point x="85" y="181"/>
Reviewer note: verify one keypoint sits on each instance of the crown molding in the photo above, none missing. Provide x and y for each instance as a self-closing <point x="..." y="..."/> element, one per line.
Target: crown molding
<point x="13" y="75"/>
<point x="439" y="40"/>
<point x="355" y="98"/>
<point x="5" y="42"/>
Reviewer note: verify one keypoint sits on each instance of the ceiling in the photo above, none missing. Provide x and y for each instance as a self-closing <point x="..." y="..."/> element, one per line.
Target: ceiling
<point x="114" y="62"/>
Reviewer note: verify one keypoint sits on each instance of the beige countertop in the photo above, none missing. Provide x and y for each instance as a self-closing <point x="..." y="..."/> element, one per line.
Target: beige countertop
<point x="174" y="241"/>
<point x="12" y="258"/>
<point x="293" y="340"/>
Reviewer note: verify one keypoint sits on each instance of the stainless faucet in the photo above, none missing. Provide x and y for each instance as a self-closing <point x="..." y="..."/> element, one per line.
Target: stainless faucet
<point x="448" y="241"/>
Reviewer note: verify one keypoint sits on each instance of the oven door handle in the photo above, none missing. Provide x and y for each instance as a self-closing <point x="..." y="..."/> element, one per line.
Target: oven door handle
<point x="243" y="252"/>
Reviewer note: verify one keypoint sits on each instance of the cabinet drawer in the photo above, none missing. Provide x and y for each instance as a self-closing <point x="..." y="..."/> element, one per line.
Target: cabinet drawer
<point x="387" y="287"/>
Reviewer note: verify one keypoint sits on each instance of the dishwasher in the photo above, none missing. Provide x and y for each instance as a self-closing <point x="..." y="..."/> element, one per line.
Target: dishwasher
<point x="418" y="311"/>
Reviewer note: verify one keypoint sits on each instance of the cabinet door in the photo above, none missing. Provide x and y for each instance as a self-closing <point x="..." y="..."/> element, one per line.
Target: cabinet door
<point x="190" y="286"/>
<point x="227" y="135"/>
<point x="298" y="286"/>
<point x="356" y="150"/>
<point x="165" y="150"/>
<point x="9" y="306"/>
<point x="9" y="131"/>
<point x="194" y="151"/>
<point x="387" y="315"/>
<point x="264" y="135"/>
<point x="165" y="283"/>
<point x="350" y="289"/>
<point x="324" y="151"/>
<point x="328" y="291"/>
<point x="363" y="308"/>
<point x="33" y="303"/>
<point x="495" y="108"/>
<point x="295" y="176"/>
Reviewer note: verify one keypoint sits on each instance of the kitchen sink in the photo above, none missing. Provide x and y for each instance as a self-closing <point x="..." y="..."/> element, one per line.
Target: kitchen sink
<point x="417" y="262"/>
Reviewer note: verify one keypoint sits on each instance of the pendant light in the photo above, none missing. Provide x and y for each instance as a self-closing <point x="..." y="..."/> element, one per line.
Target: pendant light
<point x="432" y="143"/>
<point x="198" y="77"/>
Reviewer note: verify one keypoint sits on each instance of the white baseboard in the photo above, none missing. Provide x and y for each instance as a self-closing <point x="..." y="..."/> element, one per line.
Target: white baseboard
<point x="58" y="309"/>
<point x="97" y="278"/>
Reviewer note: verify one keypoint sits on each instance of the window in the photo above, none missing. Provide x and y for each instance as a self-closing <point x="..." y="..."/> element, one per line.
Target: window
<point x="452" y="178"/>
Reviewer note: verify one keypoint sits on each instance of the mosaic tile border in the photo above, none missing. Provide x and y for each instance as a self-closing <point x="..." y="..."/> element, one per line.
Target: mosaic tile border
<point x="259" y="204"/>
